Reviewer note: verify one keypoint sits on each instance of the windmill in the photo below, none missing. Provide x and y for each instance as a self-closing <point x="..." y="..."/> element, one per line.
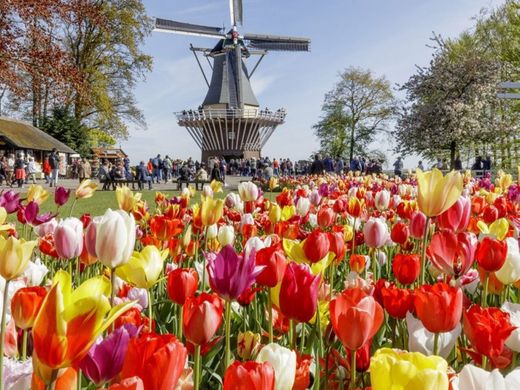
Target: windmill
<point x="230" y="123"/>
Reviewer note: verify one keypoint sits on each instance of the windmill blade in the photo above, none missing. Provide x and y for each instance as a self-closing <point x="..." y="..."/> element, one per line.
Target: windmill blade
<point x="236" y="12"/>
<point x="277" y="43"/>
<point x="187" y="28"/>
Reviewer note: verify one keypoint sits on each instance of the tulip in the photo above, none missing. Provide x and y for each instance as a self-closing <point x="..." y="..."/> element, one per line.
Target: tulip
<point x="393" y="369"/>
<point x="406" y="267"/>
<point x="114" y="238"/>
<point x="248" y="344"/>
<point x="105" y="358"/>
<point x="68" y="238"/>
<point x="35" y="273"/>
<point x="70" y="321"/>
<point x="202" y="317"/>
<point x="211" y="211"/>
<point x="226" y="235"/>
<point x="86" y="189"/>
<point x="452" y="254"/>
<point x="157" y="359"/>
<point x="456" y="218"/>
<point x="423" y="341"/>
<point x="37" y="193"/>
<point x="249" y="376"/>
<point x="17" y="374"/>
<point x="439" y="307"/>
<point x="417" y="225"/>
<point x="475" y="378"/>
<point x="376" y="233"/>
<point x="303" y="206"/>
<point x="10" y="201"/>
<point x="275" y="213"/>
<point x="382" y="200"/>
<point x="356" y="317"/>
<point x="61" y="196"/>
<point x="400" y="233"/>
<point x="355" y="206"/>
<point x="164" y="227"/>
<point x="509" y="273"/>
<point x="26" y="304"/>
<point x="397" y="301"/>
<point x="248" y="191"/>
<point x="233" y="201"/>
<point x="144" y="267"/>
<point x="491" y="254"/>
<point x="46" y="228"/>
<point x="283" y="361"/>
<point x="437" y="193"/>
<point x="316" y="246"/>
<point x="14" y="256"/>
<point x="513" y="309"/>
<point x="299" y="292"/>
<point x="126" y="199"/>
<point x="182" y="284"/>
<point x="357" y="263"/>
<point x="487" y="329"/>
<point x="133" y="383"/>
<point x="325" y="217"/>
<point x="274" y="262"/>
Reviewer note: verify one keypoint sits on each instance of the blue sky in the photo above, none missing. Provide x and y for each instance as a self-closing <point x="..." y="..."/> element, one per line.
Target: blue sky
<point x="387" y="36"/>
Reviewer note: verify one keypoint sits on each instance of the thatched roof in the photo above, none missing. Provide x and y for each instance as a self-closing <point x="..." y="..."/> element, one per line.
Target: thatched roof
<point x="23" y="135"/>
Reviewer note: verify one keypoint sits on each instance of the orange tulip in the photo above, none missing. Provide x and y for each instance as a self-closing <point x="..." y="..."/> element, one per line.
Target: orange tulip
<point x="25" y="306"/>
<point x="66" y="379"/>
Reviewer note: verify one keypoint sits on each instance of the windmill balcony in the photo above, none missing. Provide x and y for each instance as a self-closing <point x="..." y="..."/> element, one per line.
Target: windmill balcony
<point x="276" y="117"/>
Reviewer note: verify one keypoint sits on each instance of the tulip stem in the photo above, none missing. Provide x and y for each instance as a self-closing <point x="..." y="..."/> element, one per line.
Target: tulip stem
<point x="436" y="344"/>
<point x="352" y="369"/>
<point x="179" y="323"/>
<point x="24" y="344"/>
<point x="196" y="368"/>
<point x="483" y="302"/>
<point x="270" y="314"/>
<point x="319" y="352"/>
<point x="150" y="310"/>
<point x="228" y="335"/>
<point x="113" y="286"/>
<point x="292" y="333"/>
<point x="423" y="250"/>
<point x="353" y="238"/>
<point x="72" y="207"/>
<point x="2" y="332"/>
<point x="54" y="376"/>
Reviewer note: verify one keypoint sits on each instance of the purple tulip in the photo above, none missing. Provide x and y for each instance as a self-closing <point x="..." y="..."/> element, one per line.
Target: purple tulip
<point x="105" y="358"/>
<point x="61" y="196"/>
<point x="10" y="201"/>
<point x="43" y="218"/>
<point x="230" y="274"/>
<point x="28" y="213"/>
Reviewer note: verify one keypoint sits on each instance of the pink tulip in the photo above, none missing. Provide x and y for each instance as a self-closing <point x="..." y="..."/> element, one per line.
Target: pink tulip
<point x="452" y="254"/>
<point x="375" y="232"/>
<point x="382" y="200"/>
<point x="456" y="218"/>
<point x="417" y="225"/>
<point x="90" y="236"/>
<point x="46" y="228"/>
<point x="68" y="238"/>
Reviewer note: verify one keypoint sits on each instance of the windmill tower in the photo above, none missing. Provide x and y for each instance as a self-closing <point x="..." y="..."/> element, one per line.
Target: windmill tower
<point x="230" y="122"/>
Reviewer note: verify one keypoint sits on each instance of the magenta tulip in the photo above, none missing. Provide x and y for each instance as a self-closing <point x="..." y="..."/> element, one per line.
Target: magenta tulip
<point x="456" y="218"/>
<point x="230" y="274"/>
<point x="68" y="238"/>
<point x="10" y="201"/>
<point x="61" y="196"/>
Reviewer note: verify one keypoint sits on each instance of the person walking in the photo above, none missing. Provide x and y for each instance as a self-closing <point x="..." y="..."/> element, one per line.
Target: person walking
<point x="31" y="170"/>
<point x="19" y="170"/>
<point x="317" y="167"/>
<point x="84" y="170"/>
<point x="46" y="170"/>
<point x="398" y="167"/>
<point x="54" y="162"/>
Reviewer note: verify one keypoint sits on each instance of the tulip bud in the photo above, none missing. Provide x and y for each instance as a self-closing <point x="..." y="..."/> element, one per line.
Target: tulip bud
<point x="25" y="305"/>
<point x="248" y="191"/>
<point x="14" y="256"/>
<point x="375" y="232"/>
<point x="232" y="200"/>
<point x="248" y="344"/>
<point x="182" y="284"/>
<point x="283" y="361"/>
<point x="226" y="235"/>
<point x="207" y="190"/>
<point x="382" y="200"/>
<point x="211" y="232"/>
<point x="115" y="238"/>
<point x="275" y="214"/>
<point x="357" y="263"/>
<point x="417" y="225"/>
<point x="316" y="246"/>
<point x="86" y="189"/>
<point x="400" y="233"/>
<point x="325" y="217"/>
<point x="456" y="218"/>
<point x="303" y="206"/>
<point x="68" y="238"/>
<point x="406" y="268"/>
<point x="315" y="198"/>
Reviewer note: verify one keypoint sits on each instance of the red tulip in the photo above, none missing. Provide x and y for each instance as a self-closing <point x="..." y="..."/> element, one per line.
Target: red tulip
<point x="299" y="292"/>
<point x="163" y="227"/>
<point x="273" y="258"/>
<point x="201" y="317"/>
<point x="490" y="214"/>
<point x="337" y="245"/>
<point x="406" y="267"/>
<point x="26" y="304"/>
<point x="456" y="218"/>
<point x="362" y="357"/>
<point x="452" y="254"/>
<point x="400" y="233"/>
<point x="325" y="217"/>
<point x="417" y="225"/>
<point x="316" y="246"/>
<point x="487" y="329"/>
<point x="249" y="376"/>
<point x="438" y="306"/>
<point x="491" y="254"/>
<point x="302" y="379"/>
<point x="356" y="317"/>
<point x="357" y="263"/>
<point x="397" y="301"/>
<point x="157" y="359"/>
<point x="182" y="284"/>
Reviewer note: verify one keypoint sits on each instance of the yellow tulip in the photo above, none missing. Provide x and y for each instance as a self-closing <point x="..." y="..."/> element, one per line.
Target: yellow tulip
<point x="216" y="186"/>
<point x="497" y="229"/>
<point x="3" y="217"/>
<point x="437" y="193"/>
<point x="126" y="199"/>
<point x="275" y="213"/>
<point x="273" y="183"/>
<point x="14" y="256"/>
<point x="288" y="212"/>
<point x="211" y="210"/>
<point x="348" y="233"/>
<point x="86" y="189"/>
<point x="37" y="194"/>
<point x="144" y="268"/>
<point x="393" y="369"/>
<point x="504" y="181"/>
<point x="69" y="322"/>
<point x="294" y="251"/>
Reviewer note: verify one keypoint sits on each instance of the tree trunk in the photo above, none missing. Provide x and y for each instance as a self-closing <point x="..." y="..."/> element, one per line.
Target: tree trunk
<point x="352" y="132"/>
<point x="453" y="150"/>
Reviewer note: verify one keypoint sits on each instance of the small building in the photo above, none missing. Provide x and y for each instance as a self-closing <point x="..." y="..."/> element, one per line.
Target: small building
<point x="19" y="136"/>
<point x="111" y="154"/>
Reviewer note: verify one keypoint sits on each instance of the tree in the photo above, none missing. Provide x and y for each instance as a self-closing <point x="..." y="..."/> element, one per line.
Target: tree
<point x="358" y="107"/>
<point x="453" y="103"/>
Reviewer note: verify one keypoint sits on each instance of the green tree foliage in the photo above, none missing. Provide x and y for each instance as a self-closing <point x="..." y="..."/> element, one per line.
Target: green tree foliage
<point x="359" y="107"/>
<point x="63" y="126"/>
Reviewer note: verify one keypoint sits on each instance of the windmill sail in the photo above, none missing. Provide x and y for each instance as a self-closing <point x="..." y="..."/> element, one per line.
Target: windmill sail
<point x="187" y="28"/>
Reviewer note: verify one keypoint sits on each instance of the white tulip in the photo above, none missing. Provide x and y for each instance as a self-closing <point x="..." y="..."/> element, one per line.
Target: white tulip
<point x="115" y="238"/>
<point x="35" y="273"/>
<point x="283" y="361"/>
<point x="211" y="231"/>
<point x="303" y="206"/>
<point x="513" y="341"/>
<point x="475" y="378"/>
<point x="510" y="271"/>
<point x="382" y="200"/>
<point x="248" y="191"/>
<point x="253" y="243"/>
<point x="226" y="235"/>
